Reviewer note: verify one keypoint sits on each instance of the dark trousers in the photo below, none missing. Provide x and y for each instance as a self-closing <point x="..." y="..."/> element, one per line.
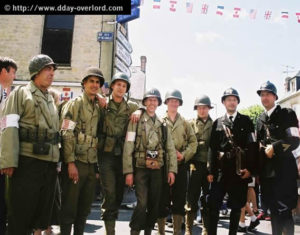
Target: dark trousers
<point x="281" y="200"/>
<point x="237" y="193"/>
<point x="174" y="197"/>
<point x="112" y="182"/>
<point x="148" y="190"/>
<point x="2" y="205"/>
<point x="77" y="198"/>
<point x="198" y="183"/>
<point x="31" y="195"/>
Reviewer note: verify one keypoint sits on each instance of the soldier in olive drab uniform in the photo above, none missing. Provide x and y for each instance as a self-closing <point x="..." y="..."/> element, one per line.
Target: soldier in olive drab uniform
<point x="112" y="131"/>
<point x="8" y="68"/>
<point x="30" y="149"/>
<point x="231" y="161"/>
<point x="143" y="160"/>
<point x="278" y="135"/>
<point x="185" y="143"/>
<point x="198" y="185"/>
<point x="80" y="117"/>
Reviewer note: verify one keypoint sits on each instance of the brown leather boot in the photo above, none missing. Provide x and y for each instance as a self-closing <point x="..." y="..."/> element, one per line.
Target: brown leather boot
<point x="161" y="222"/>
<point x="177" y="222"/>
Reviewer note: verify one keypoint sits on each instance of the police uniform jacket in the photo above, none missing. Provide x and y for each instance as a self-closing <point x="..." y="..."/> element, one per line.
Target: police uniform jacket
<point x="242" y="130"/>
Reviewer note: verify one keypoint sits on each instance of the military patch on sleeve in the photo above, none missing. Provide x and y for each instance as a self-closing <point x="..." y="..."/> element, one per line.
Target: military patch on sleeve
<point x="130" y="136"/>
<point x="68" y="125"/>
<point x="292" y="132"/>
<point x="10" y="120"/>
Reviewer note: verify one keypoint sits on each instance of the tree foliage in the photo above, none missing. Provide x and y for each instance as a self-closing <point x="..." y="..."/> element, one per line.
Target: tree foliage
<point x="253" y="112"/>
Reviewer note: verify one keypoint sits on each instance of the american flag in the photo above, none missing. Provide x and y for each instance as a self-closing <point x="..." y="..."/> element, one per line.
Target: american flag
<point x="268" y="15"/>
<point x="236" y="13"/>
<point x="204" y="8"/>
<point x="252" y="14"/>
<point x="284" y="14"/>
<point x="173" y="5"/>
<point x="220" y="10"/>
<point x="156" y="4"/>
<point x="189" y="7"/>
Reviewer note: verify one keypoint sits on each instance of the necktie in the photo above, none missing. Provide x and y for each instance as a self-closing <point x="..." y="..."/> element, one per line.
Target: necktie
<point x="231" y="118"/>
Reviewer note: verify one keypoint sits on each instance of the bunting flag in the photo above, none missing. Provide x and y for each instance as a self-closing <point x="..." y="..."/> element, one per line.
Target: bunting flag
<point x="268" y="15"/>
<point x="236" y="13"/>
<point x="284" y="14"/>
<point x="189" y="7"/>
<point x="204" y="9"/>
<point x="252" y="14"/>
<point x="220" y="10"/>
<point x="156" y="4"/>
<point x="173" y="5"/>
<point x="298" y="16"/>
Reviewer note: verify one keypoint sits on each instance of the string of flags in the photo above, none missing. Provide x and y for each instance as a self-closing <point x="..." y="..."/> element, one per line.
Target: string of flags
<point x="219" y="10"/>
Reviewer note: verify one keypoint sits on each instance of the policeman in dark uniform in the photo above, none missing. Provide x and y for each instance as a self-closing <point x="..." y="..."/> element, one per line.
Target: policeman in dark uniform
<point x="278" y="136"/>
<point x="231" y="162"/>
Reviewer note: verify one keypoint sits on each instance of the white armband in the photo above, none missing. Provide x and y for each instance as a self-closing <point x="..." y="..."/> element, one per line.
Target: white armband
<point x="10" y="120"/>
<point x="292" y="132"/>
<point x="130" y="136"/>
<point x="296" y="152"/>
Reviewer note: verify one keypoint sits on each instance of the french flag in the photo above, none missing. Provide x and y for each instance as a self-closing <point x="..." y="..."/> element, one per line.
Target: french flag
<point x="284" y="14"/>
<point x="156" y="4"/>
<point x="220" y="10"/>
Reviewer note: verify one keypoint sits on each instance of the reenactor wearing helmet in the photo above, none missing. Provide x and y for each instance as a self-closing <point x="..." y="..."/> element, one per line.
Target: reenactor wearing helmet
<point x="112" y="132"/>
<point x="30" y="149"/>
<point x="80" y="117"/>
<point x="8" y="68"/>
<point x="278" y="136"/>
<point x="185" y="143"/>
<point x="148" y="149"/>
<point x="232" y="154"/>
<point x="198" y="184"/>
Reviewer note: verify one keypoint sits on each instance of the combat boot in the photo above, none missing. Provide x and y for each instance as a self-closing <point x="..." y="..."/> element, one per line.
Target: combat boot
<point x="189" y="221"/>
<point x="161" y="222"/>
<point x="177" y="222"/>
<point x="110" y="227"/>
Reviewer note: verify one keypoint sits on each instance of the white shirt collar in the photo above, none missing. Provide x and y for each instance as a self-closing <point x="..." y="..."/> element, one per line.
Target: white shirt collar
<point x="270" y="111"/>
<point x="233" y="115"/>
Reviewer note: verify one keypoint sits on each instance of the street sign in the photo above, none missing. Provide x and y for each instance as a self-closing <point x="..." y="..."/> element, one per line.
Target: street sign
<point x="105" y="36"/>
<point x="135" y="13"/>
<point x="135" y="3"/>
<point x="122" y="67"/>
<point x="123" y="54"/>
<point x="124" y="41"/>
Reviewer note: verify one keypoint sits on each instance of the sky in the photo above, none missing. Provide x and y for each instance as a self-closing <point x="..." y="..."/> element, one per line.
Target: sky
<point x="206" y="54"/>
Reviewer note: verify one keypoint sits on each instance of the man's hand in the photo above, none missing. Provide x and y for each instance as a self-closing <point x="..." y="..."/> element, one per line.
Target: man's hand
<point x="171" y="178"/>
<point x="179" y="156"/>
<point x="102" y="101"/>
<point x="135" y="116"/>
<point x="269" y="151"/>
<point x="73" y="172"/>
<point x="210" y="178"/>
<point x="129" y="180"/>
<point x="8" y="171"/>
<point x="245" y="174"/>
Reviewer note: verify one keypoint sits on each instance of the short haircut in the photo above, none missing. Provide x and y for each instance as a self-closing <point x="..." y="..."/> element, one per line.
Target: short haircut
<point x="7" y="63"/>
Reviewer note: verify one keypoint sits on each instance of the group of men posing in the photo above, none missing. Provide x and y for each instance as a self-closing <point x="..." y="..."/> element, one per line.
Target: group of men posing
<point x="171" y="161"/>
